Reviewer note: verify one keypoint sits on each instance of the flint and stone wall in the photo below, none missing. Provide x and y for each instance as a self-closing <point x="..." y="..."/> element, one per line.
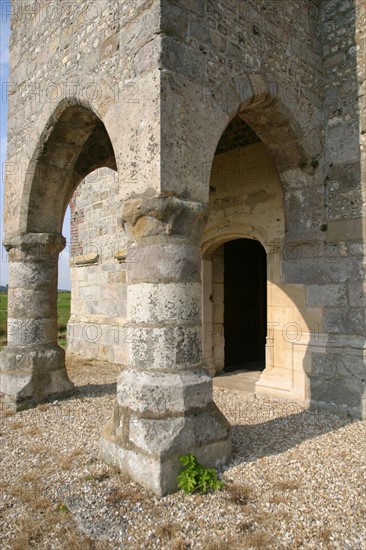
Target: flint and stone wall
<point x="97" y="327"/>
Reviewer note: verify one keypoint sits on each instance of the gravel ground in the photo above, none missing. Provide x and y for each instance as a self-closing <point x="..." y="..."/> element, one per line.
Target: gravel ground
<point x="297" y="480"/>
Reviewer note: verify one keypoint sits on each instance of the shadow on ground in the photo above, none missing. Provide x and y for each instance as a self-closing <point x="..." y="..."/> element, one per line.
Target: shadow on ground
<point x="250" y="441"/>
<point x="94" y="390"/>
<point x="276" y="436"/>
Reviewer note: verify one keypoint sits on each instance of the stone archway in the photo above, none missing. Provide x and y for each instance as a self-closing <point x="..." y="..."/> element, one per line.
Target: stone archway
<point x="74" y="143"/>
<point x="247" y="200"/>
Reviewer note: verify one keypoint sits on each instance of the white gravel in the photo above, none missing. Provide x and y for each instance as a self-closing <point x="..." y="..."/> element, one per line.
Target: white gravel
<point x="297" y="480"/>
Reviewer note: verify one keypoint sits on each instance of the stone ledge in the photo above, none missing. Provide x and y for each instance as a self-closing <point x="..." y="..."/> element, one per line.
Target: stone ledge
<point x="121" y="255"/>
<point x="85" y="259"/>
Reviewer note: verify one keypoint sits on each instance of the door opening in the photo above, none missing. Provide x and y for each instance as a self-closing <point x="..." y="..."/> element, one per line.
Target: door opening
<point x="245" y="305"/>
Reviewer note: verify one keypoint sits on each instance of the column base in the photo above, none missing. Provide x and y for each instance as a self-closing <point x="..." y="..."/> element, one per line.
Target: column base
<point x="32" y="374"/>
<point x="209" y="367"/>
<point x="148" y="449"/>
<point x="157" y="418"/>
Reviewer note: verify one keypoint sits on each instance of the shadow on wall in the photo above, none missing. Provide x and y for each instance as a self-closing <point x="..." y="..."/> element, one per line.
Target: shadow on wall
<point x="337" y="375"/>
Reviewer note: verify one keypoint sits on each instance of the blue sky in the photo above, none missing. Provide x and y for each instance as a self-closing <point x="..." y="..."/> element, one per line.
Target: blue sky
<point x="64" y="270"/>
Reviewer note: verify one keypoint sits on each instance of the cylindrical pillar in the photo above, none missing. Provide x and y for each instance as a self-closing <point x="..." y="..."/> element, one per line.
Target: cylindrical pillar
<point x="32" y="366"/>
<point x="164" y="397"/>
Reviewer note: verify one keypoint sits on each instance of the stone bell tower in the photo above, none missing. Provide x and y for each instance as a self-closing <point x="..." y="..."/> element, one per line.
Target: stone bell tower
<point x="147" y="89"/>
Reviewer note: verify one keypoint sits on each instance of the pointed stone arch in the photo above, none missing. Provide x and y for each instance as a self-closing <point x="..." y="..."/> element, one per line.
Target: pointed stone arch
<point x="283" y="142"/>
<point x="73" y="143"/>
<point x="290" y="128"/>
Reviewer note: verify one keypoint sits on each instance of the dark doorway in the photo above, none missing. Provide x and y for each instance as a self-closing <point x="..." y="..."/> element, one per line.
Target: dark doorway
<point x="245" y="305"/>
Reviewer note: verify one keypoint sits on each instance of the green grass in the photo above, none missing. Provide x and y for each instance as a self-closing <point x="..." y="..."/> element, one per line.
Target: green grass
<point x="63" y="312"/>
<point x="3" y="317"/>
<point x="63" y="308"/>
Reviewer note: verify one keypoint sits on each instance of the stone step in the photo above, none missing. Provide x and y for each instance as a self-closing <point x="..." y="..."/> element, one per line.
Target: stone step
<point x="242" y="381"/>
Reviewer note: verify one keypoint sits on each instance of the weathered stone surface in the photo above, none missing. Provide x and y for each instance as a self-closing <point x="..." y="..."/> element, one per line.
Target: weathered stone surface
<point x="166" y="261"/>
<point x="30" y="374"/>
<point x="345" y="230"/>
<point x="150" y="303"/>
<point x="137" y="445"/>
<point x="93" y="337"/>
<point x="357" y="293"/>
<point x="164" y="215"/>
<point x="326" y="295"/>
<point x="344" y="320"/>
<point x="31" y="303"/>
<point x="32" y="331"/>
<point x="166" y="348"/>
<point x="163" y="394"/>
<point x="339" y="380"/>
<point x="324" y="271"/>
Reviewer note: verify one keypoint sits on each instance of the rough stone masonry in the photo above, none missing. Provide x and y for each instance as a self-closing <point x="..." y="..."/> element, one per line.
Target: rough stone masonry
<point x="175" y="127"/>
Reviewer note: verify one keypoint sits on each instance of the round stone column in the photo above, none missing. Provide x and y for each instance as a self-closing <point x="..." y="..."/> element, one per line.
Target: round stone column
<point x="164" y="397"/>
<point x="32" y="366"/>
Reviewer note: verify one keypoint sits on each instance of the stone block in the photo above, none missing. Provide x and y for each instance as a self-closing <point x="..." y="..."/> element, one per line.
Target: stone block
<point x="307" y="318"/>
<point x="326" y="295"/>
<point x="120" y="353"/>
<point x="159" y="303"/>
<point x="105" y="353"/>
<point x="30" y="374"/>
<point x="343" y="143"/>
<point x="217" y="268"/>
<point x="165" y="263"/>
<point x="218" y="313"/>
<point x="217" y="292"/>
<point x="32" y="275"/>
<point x="325" y="271"/>
<point x="165" y="348"/>
<point x="76" y="274"/>
<point x="174" y="21"/>
<point x="117" y="276"/>
<point x="286" y="295"/>
<point x="27" y="303"/>
<point x="357" y="293"/>
<point x="32" y="331"/>
<point x="188" y="61"/>
<point x="344" y="320"/>
<point x="137" y="445"/>
<point x="345" y="230"/>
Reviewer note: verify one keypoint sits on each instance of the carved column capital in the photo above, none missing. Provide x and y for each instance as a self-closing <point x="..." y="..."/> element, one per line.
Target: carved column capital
<point x="165" y="216"/>
<point x="34" y="246"/>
